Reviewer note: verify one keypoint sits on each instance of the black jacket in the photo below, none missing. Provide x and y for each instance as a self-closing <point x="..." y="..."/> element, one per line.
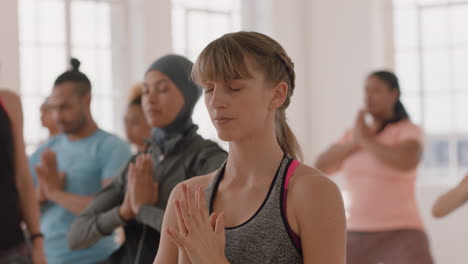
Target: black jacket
<point x="183" y="157"/>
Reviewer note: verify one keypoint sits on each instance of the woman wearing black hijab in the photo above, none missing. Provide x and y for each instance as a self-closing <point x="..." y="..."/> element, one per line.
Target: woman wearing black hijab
<point x="137" y="198"/>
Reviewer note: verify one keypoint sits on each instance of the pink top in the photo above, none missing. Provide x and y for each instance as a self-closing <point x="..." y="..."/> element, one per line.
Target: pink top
<point x="295" y="237"/>
<point x="378" y="196"/>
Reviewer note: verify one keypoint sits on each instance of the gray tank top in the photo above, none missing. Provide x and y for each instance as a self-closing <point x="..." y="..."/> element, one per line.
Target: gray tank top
<point x="266" y="237"/>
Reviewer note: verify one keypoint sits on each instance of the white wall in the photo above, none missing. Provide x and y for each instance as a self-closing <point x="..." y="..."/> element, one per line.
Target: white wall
<point x="9" y="49"/>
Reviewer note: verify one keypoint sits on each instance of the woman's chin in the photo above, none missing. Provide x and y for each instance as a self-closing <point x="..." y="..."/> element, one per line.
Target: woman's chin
<point x="158" y="124"/>
<point x="226" y="136"/>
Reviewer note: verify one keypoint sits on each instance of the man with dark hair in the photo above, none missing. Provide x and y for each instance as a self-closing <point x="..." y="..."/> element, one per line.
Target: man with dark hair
<point x="81" y="81"/>
<point x="73" y="166"/>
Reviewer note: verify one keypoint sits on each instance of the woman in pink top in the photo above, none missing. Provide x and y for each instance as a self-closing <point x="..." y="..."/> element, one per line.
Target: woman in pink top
<point x="379" y="162"/>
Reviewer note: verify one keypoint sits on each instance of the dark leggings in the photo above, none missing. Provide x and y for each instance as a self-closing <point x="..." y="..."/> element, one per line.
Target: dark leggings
<point x="388" y="247"/>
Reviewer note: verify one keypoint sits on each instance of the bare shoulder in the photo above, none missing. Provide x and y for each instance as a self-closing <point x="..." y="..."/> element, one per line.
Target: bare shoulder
<point x="203" y="180"/>
<point x="311" y="184"/>
<point x="10" y="99"/>
<point x="12" y="103"/>
<point x="8" y="93"/>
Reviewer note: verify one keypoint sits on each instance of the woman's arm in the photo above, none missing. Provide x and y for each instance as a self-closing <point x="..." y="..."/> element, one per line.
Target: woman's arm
<point x="451" y="200"/>
<point x="168" y="252"/>
<point x="321" y="224"/>
<point x="329" y="162"/>
<point x="405" y="156"/>
<point x="24" y="183"/>
<point x="100" y="218"/>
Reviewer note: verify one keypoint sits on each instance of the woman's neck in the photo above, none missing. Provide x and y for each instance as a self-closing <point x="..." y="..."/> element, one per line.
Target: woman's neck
<point x="253" y="157"/>
<point x="378" y="121"/>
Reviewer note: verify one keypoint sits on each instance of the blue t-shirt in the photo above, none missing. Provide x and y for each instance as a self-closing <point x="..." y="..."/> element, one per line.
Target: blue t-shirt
<point x="86" y="163"/>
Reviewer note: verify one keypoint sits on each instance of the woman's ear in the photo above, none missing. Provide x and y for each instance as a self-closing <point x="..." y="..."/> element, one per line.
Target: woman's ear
<point x="280" y="93"/>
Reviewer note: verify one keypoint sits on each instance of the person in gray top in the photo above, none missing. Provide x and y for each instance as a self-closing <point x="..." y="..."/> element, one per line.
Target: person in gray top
<point x="262" y="206"/>
<point x="137" y="198"/>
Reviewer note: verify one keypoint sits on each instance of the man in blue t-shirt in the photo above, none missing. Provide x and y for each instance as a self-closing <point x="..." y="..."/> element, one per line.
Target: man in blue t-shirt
<point x="71" y="168"/>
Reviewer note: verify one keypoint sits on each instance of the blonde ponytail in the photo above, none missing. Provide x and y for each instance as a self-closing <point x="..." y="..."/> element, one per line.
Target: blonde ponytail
<point x="286" y="138"/>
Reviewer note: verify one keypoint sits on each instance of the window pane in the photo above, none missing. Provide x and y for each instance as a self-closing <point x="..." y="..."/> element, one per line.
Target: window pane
<point x="43" y="59"/>
<point x="178" y="34"/>
<point x="104" y="77"/>
<point x="83" y="23"/>
<point x="28" y="66"/>
<point x="403" y="3"/>
<point x="407" y="65"/>
<point x="52" y="64"/>
<point x="236" y="21"/>
<point x="412" y="104"/>
<point x="459" y="24"/>
<point x="438" y="114"/>
<point x="222" y="5"/>
<point x="202" y="118"/>
<point x="103" y="24"/>
<point x="444" y="73"/>
<point x="461" y="113"/>
<point x="33" y="132"/>
<point x="460" y="59"/>
<point x="87" y="56"/>
<point x="435" y="27"/>
<point x="97" y="108"/>
<point x="52" y="21"/>
<point x="462" y="151"/>
<point x="198" y="36"/>
<point x="405" y="22"/>
<point x="27" y="14"/>
<point x="201" y="4"/>
<point x="429" y="2"/>
<point x="436" y="70"/>
<point x="102" y="109"/>
<point x="436" y="153"/>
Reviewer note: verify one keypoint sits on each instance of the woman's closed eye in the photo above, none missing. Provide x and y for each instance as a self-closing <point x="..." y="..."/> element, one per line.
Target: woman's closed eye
<point x="234" y="89"/>
<point x="163" y="89"/>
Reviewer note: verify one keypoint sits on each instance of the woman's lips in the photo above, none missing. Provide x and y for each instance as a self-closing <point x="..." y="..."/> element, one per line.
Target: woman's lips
<point x="222" y="120"/>
<point x="154" y="112"/>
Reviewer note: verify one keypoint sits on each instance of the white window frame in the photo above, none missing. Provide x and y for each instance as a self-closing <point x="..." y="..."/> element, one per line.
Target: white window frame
<point x="453" y="172"/>
<point x="119" y="55"/>
<point x="204" y="11"/>
<point x="206" y="127"/>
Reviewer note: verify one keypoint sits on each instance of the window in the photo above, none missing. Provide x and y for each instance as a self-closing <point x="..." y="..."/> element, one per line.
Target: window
<point x="195" y="24"/>
<point x="431" y="47"/>
<point x="52" y="31"/>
